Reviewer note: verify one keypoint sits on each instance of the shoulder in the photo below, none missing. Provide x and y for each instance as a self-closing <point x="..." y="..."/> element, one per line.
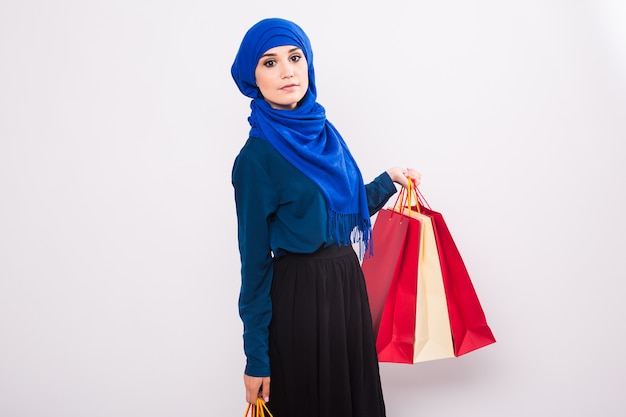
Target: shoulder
<point x="256" y="156"/>
<point x="256" y="151"/>
<point x="255" y="147"/>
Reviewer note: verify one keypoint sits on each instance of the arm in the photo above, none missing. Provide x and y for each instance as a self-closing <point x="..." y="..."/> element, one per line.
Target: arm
<point x="254" y="202"/>
<point x="382" y="188"/>
<point x="378" y="192"/>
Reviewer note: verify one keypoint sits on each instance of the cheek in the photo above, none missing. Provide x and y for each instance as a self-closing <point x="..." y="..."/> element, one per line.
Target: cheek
<point x="259" y="77"/>
<point x="259" y="84"/>
<point x="264" y="80"/>
<point x="304" y="71"/>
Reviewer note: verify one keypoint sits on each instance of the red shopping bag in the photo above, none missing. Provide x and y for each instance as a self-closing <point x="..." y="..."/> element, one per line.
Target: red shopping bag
<point x="395" y="340"/>
<point x="468" y="323"/>
<point x="389" y="237"/>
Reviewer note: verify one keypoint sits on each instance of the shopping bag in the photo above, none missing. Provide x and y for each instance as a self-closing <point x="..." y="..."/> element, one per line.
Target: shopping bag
<point x="433" y="337"/>
<point x="391" y="239"/>
<point x="384" y="271"/>
<point x="258" y="409"/>
<point x="468" y="323"/>
<point x="414" y="324"/>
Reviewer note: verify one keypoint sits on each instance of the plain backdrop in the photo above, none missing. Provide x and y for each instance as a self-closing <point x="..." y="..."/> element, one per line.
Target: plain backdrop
<point x="119" y="123"/>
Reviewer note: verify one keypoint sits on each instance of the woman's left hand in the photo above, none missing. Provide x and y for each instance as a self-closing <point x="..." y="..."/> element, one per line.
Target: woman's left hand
<point x="399" y="175"/>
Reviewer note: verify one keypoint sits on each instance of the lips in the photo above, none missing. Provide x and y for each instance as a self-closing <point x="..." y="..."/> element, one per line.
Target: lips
<point x="288" y="86"/>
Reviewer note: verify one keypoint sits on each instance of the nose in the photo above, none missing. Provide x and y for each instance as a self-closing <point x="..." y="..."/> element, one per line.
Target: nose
<point x="288" y="72"/>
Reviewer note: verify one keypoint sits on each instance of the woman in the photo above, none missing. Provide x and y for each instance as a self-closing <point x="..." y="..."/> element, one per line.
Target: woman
<point x="301" y="204"/>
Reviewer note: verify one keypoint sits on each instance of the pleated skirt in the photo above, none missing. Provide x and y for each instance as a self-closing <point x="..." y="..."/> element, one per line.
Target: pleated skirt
<point x="321" y="344"/>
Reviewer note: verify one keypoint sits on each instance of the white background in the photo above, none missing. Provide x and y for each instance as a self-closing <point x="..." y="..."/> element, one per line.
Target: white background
<point x="119" y="122"/>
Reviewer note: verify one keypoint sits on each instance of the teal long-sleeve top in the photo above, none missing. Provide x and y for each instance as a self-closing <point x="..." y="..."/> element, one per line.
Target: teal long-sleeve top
<point x="279" y="210"/>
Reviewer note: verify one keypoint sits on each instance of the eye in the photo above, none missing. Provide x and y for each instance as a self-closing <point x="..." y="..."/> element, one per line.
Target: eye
<point x="269" y="63"/>
<point x="295" y="58"/>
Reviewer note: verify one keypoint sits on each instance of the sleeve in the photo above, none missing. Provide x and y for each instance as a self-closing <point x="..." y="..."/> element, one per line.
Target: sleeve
<point x="379" y="192"/>
<point x="254" y="198"/>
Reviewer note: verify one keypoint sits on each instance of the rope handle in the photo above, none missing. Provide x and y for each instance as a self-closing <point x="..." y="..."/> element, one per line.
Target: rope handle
<point x="406" y="196"/>
<point x="258" y="410"/>
<point x="422" y="199"/>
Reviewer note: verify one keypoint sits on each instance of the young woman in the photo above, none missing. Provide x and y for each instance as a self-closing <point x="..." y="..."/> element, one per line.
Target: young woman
<point x="301" y="205"/>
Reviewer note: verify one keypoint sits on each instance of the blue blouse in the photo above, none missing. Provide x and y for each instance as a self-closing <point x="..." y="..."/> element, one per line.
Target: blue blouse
<point x="279" y="210"/>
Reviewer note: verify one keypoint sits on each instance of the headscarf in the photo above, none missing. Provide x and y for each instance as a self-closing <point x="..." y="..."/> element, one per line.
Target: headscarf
<point x="304" y="136"/>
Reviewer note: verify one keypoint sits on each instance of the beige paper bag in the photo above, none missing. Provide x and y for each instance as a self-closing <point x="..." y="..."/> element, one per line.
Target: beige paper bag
<point x="433" y="337"/>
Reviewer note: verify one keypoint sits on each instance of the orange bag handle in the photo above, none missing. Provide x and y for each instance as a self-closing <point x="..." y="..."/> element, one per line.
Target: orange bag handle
<point x="405" y="197"/>
<point x="258" y="409"/>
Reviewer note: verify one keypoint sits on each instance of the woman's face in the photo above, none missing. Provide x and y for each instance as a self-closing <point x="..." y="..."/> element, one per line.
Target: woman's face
<point x="282" y="76"/>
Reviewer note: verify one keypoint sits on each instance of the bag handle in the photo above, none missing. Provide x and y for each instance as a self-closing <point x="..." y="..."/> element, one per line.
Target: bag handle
<point x="258" y="409"/>
<point x="406" y="196"/>
<point x="421" y="198"/>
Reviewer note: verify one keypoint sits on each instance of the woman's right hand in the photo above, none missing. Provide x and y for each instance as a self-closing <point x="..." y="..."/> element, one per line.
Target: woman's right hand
<point x="256" y="386"/>
<point x="399" y="175"/>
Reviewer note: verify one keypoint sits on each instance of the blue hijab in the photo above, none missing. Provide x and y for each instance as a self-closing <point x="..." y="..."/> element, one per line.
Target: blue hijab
<point x="304" y="136"/>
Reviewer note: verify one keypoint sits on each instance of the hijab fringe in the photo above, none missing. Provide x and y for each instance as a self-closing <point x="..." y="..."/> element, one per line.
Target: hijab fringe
<point x="349" y="229"/>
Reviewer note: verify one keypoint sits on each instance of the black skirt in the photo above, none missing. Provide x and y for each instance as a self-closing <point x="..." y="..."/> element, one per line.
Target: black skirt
<point x="321" y="344"/>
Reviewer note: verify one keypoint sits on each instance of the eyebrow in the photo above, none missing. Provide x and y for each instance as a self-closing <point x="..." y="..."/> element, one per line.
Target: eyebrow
<point x="290" y="51"/>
